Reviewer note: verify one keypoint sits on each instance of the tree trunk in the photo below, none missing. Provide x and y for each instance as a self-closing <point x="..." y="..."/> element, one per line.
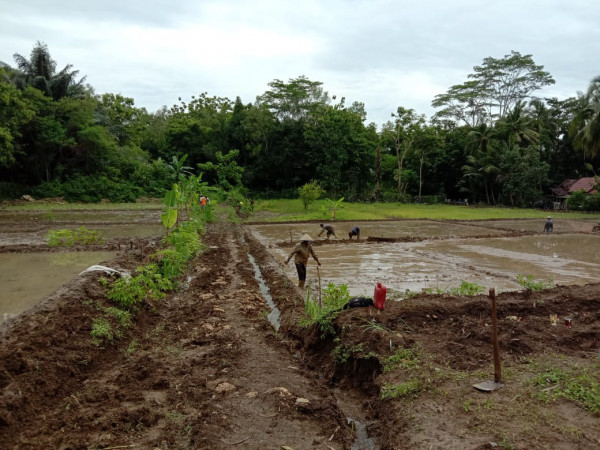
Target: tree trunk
<point x="377" y="173"/>
<point x="421" y="173"/>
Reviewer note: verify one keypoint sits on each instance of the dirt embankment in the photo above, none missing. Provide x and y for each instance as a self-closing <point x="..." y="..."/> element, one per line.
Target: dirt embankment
<point x="202" y="368"/>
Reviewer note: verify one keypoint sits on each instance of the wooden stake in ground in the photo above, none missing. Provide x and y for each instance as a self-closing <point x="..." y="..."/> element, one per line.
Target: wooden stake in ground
<point x="319" y="275"/>
<point x="291" y="241"/>
<point x="489" y="386"/>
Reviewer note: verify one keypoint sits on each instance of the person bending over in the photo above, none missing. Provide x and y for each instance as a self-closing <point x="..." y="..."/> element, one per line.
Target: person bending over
<point x="329" y="228"/>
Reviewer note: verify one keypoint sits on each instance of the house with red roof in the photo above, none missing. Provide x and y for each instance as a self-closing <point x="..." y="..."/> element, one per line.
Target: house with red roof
<point x="562" y="192"/>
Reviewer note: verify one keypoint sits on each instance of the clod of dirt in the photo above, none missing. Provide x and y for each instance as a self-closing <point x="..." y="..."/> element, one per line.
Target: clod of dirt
<point x="283" y="392"/>
<point x="225" y="387"/>
<point x="302" y="402"/>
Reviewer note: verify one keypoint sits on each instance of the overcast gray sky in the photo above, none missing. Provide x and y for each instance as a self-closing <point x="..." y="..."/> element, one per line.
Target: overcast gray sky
<point x="383" y="53"/>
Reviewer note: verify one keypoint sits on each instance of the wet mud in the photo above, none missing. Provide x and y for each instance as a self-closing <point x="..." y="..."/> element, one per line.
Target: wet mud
<point x="205" y="368"/>
<point x="414" y="255"/>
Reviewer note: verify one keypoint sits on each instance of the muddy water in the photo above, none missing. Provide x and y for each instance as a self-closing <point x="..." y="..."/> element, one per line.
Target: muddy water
<point x="27" y="278"/>
<point x="565" y="258"/>
<point x="274" y="316"/>
<point x="36" y="235"/>
<point x="388" y="229"/>
<point x="444" y="264"/>
<point x="78" y="216"/>
<point x="537" y="225"/>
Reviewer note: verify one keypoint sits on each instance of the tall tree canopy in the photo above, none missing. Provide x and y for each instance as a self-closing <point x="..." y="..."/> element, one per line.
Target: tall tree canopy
<point x="496" y="87"/>
<point x="39" y="71"/>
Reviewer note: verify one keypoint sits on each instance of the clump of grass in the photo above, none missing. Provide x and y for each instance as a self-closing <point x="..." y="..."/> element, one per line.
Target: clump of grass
<point x="575" y="384"/>
<point x="334" y="299"/>
<point x="465" y="288"/>
<point x="405" y="358"/>
<point x="407" y="389"/>
<point x="69" y="238"/>
<point x="101" y="331"/>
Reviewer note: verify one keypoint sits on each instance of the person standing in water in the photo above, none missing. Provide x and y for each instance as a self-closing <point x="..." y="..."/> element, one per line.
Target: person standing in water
<point x="548" y="226"/>
<point x="302" y="251"/>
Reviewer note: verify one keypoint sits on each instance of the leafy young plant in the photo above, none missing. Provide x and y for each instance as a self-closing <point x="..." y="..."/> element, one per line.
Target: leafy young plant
<point x="101" y="330"/>
<point x="528" y="282"/>
<point x="169" y="214"/>
<point x="333" y="206"/>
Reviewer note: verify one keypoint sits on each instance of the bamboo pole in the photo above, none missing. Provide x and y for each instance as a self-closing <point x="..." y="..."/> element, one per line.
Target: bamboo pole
<point x="319" y="275"/>
<point x="497" y="369"/>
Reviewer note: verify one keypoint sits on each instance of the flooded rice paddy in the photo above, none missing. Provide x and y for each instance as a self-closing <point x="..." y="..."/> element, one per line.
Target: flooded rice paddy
<point x="490" y="254"/>
<point x="29" y="276"/>
<point x="26" y="278"/>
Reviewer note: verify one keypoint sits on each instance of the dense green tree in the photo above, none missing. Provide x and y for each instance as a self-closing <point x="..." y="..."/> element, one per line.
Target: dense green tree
<point x="586" y="123"/>
<point x="404" y="131"/>
<point x="295" y="99"/>
<point x="15" y="112"/>
<point x="340" y="149"/>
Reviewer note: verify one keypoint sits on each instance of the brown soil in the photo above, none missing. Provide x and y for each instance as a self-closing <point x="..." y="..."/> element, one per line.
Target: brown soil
<point x="203" y="368"/>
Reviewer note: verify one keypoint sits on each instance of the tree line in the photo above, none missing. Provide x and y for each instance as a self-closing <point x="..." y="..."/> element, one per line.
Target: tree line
<point x="490" y="141"/>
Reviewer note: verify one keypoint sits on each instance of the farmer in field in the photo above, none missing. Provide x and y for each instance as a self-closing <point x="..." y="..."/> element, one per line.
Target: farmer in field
<point x="329" y="228"/>
<point x="548" y="226"/>
<point x="355" y="231"/>
<point x="203" y="201"/>
<point x="302" y="251"/>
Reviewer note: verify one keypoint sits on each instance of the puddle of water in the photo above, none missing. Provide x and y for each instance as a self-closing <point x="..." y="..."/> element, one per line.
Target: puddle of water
<point x="537" y="225"/>
<point x="388" y="229"/>
<point x="28" y="278"/>
<point x="444" y="264"/>
<point x="350" y="406"/>
<point x="362" y="440"/>
<point x="275" y="315"/>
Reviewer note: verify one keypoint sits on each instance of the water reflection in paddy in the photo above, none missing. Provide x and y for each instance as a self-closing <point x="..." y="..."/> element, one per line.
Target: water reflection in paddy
<point x="444" y="264"/>
<point x="29" y="277"/>
<point x="388" y="229"/>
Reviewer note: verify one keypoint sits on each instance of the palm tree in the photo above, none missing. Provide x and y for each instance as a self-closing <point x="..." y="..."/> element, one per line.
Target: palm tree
<point x="585" y="127"/>
<point x="39" y="71"/>
<point x="516" y="125"/>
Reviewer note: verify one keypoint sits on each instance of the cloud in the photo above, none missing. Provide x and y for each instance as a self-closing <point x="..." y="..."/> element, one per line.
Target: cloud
<point x="384" y="53"/>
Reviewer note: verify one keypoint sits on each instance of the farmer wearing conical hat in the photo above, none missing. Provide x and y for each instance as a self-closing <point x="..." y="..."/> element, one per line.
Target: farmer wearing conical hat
<point x="548" y="225"/>
<point x="302" y="251"/>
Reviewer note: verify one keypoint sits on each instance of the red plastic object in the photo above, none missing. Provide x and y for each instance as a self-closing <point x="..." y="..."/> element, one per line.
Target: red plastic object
<point x="380" y="291"/>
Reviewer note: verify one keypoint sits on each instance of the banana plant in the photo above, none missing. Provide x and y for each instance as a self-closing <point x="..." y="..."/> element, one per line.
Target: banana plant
<point x="169" y="214"/>
<point x="333" y="205"/>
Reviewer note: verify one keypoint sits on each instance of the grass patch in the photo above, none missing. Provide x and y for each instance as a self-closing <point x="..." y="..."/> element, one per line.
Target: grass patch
<point x="407" y="389"/>
<point x="574" y="383"/>
<point x="404" y="358"/>
<point x="293" y="210"/>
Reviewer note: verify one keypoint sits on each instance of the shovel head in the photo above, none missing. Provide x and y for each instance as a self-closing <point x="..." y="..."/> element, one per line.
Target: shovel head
<point x="488" y="386"/>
